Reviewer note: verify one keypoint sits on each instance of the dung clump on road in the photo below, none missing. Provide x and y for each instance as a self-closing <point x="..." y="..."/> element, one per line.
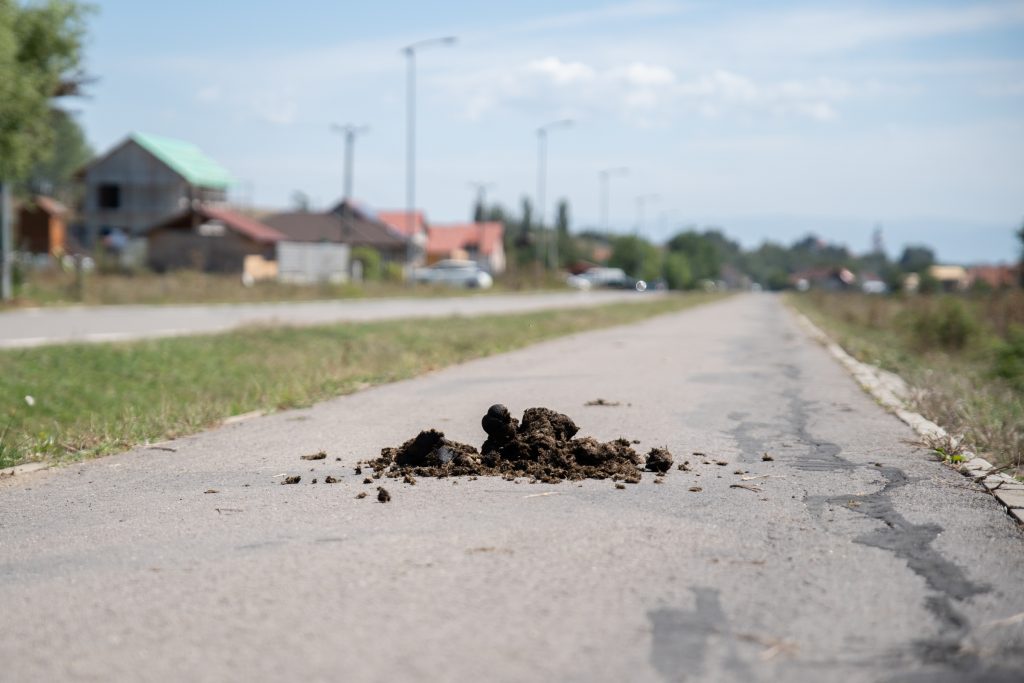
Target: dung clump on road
<point x="659" y="460"/>
<point x="542" y="446"/>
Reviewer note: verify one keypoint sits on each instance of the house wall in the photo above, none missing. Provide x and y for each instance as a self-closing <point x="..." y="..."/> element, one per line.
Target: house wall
<point x="149" y="192"/>
<point x="176" y="248"/>
<point x="308" y="262"/>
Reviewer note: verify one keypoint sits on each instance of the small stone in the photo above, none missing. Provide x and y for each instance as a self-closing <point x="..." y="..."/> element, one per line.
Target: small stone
<point x="767" y="458"/>
<point x="382" y="495"/>
<point x="294" y="479"/>
<point x="361" y="494"/>
<point x="696" y="489"/>
<point x="620" y="486"/>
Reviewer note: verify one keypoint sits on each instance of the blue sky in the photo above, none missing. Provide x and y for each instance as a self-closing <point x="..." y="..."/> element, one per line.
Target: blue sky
<point x="769" y="121"/>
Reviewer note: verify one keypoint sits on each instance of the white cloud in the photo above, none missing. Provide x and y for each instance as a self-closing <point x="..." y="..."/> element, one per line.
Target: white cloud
<point x="562" y="73"/>
<point x="641" y="74"/>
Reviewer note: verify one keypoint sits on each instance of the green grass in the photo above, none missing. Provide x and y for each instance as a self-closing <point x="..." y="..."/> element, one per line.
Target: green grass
<point x="57" y="288"/>
<point x="93" y="399"/>
<point x="962" y="355"/>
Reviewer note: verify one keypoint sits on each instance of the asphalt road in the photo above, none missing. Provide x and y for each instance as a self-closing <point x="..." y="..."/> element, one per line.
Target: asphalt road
<point x="38" y="326"/>
<point x="858" y="559"/>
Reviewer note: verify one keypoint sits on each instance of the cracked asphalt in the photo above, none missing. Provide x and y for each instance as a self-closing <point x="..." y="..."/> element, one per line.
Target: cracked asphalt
<point x="857" y="558"/>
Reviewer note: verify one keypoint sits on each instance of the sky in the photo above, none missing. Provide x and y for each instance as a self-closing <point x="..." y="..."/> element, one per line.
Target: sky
<point x="769" y="120"/>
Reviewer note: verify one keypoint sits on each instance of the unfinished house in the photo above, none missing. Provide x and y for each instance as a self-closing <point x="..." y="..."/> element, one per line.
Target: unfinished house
<point x="143" y="181"/>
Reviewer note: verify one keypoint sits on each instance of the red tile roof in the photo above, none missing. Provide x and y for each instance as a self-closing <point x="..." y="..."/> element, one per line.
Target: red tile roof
<point x="250" y="227"/>
<point x="399" y="221"/>
<point x="444" y="239"/>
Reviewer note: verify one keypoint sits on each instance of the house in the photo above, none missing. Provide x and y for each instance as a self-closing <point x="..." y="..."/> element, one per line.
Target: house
<point x="143" y="181"/>
<point x="480" y="242"/>
<point x="346" y="223"/>
<point x="212" y="239"/>
<point x="41" y="227"/>
<point x="995" y="277"/>
<point x="950" y="278"/>
<point x="412" y="225"/>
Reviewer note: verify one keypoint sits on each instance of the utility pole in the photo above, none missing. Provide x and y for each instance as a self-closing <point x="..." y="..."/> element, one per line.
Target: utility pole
<point x="6" y="248"/>
<point x="410" y="138"/>
<point x="603" y="177"/>
<point x="542" y="153"/>
<point x="350" y="131"/>
<point x="641" y="204"/>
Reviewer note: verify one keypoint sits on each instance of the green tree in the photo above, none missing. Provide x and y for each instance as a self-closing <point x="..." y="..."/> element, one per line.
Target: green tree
<point x="638" y="257"/>
<point x="701" y="252"/>
<point x="1020" y="266"/>
<point x="677" y="271"/>
<point x="568" y="250"/>
<point x="916" y="259"/>
<point x="54" y="175"/>
<point x="40" y="57"/>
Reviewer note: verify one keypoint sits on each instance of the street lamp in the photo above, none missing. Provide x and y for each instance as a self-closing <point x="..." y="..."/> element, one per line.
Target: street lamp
<point x="410" y="137"/>
<point x="603" y="177"/>
<point x="350" y="131"/>
<point x="641" y="204"/>
<point x="542" y="147"/>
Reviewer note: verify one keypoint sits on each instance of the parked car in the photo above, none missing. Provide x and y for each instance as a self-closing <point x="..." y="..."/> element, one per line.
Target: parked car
<point x="612" y="278"/>
<point x="455" y="273"/>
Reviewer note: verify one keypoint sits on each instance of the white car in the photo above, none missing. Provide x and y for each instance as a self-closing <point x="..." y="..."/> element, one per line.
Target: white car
<point x="455" y="273"/>
<point x="613" y="278"/>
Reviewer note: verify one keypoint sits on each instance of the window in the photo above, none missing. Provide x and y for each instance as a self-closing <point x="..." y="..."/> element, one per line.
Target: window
<point x="109" y="196"/>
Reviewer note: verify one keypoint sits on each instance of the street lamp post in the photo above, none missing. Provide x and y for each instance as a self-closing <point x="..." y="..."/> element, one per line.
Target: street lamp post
<point x="350" y="131"/>
<point x="481" y="199"/>
<point x="410" y="135"/>
<point x="603" y="177"/>
<point x="542" y="152"/>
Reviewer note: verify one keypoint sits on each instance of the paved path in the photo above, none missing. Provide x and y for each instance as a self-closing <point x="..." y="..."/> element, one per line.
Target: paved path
<point x="859" y="559"/>
<point x="38" y="326"/>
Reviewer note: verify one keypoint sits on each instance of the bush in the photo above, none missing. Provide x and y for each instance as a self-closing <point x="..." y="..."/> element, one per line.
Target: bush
<point x="1009" y="360"/>
<point x="947" y="326"/>
<point x="677" y="271"/>
<point x="370" y="258"/>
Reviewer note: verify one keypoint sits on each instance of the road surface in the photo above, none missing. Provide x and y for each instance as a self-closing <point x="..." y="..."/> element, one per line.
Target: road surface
<point x="38" y="326"/>
<point x="859" y="558"/>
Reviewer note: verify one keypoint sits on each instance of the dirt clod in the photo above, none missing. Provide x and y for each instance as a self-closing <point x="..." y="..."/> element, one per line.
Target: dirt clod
<point x="315" y="456"/>
<point x="382" y="494"/>
<point x="696" y="489"/>
<point x="659" y="460"/>
<point x="211" y="491"/>
<point x="684" y="466"/>
<point x="330" y="480"/>
<point x="294" y="479"/>
<point x="542" y="447"/>
<point x="367" y="480"/>
<point x="409" y="479"/>
<point x="314" y="481"/>
<point x="767" y="458"/>
<point x="620" y="486"/>
<point x="361" y="494"/>
<point x="602" y="402"/>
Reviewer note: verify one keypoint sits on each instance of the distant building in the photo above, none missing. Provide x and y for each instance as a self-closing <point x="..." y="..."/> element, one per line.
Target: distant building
<point x="41" y="226"/>
<point x="996" y="277"/>
<point x="412" y="225"/>
<point x="210" y="239"/>
<point x="480" y="242"/>
<point x="143" y="181"/>
<point x="347" y="224"/>
<point x="829" y="278"/>
<point x="950" y="278"/>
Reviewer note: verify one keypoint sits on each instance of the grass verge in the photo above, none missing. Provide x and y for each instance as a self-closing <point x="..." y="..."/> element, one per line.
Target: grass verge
<point x="963" y="357"/>
<point x="57" y="288"/>
<point x="87" y="400"/>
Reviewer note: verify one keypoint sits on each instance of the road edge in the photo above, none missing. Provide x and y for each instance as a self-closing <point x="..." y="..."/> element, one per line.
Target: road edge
<point x="889" y="390"/>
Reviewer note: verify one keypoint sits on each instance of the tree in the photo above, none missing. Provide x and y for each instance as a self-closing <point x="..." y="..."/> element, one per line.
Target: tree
<point x="701" y="252"/>
<point x="638" y="257"/>
<point x="1020" y="266"/>
<point x="568" y="252"/>
<point x="677" y="271"/>
<point x="300" y="201"/>
<point x="55" y="174"/>
<point x="916" y="259"/>
<point x="40" y="54"/>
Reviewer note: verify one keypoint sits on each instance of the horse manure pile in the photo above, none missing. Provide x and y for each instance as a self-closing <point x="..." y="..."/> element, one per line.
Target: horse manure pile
<point x="542" y="446"/>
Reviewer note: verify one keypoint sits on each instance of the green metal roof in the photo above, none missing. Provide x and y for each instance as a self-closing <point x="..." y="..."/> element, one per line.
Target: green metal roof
<point x="185" y="159"/>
